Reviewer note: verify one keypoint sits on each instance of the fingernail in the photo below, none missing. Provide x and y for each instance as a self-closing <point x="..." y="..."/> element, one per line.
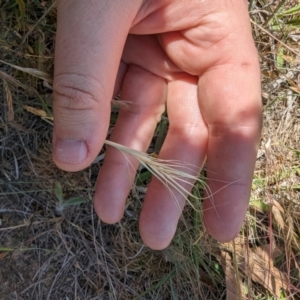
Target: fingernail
<point x="70" y="150"/>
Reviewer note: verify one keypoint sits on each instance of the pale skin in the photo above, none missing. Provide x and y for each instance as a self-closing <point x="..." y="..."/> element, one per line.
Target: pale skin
<point x="198" y="59"/>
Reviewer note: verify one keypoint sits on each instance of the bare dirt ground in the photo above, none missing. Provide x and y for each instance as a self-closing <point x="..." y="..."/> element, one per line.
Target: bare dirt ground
<point x="53" y="246"/>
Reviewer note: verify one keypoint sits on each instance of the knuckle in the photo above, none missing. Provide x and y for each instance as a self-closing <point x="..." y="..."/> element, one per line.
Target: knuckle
<point x="243" y="129"/>
<point x="76" y="92"/>
<point x="187" y="130"/>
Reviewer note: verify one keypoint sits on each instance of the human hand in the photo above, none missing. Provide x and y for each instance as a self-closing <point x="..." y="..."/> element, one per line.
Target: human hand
<point x="196" y="57"/>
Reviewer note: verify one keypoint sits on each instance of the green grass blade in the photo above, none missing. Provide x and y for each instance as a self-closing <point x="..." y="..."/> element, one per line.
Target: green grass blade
<point x="21" y="8"/>
<point x="289" y="12"/>
<point x="73" y="201"/>
<point x="58" y="191"/>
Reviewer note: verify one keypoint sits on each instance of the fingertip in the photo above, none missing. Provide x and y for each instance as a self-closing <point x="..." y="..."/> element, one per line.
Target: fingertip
<point x="107" y="211"/>
<point x="222" y="233"/>
<point x="155" y="238"/>
<point x="108" y="216"/>
<point x="156" y="245"/>
<point x="159" y="217"/>
<point x="224" y="215"/>
<point x="110" y="195"/>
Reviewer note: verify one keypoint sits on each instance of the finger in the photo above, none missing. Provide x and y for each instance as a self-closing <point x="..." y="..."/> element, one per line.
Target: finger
<point x="134" y="128"/>
<point x="231" y="107"/>
<point x="89" y="45"/>
<point x="186" y="141"/>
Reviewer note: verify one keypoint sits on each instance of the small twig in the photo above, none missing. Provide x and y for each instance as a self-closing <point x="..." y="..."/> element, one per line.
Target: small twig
<point x="27" y="223"/>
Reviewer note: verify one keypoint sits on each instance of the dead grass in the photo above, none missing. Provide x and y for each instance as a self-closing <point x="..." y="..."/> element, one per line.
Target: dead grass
<point x="52" y="251"/>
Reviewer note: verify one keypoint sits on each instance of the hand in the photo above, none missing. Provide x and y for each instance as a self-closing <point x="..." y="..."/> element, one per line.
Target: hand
<point x="197" y="58"/>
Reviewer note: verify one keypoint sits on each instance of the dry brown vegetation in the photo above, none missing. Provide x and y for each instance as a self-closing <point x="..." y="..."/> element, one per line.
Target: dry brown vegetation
<point x="53" y="246"/>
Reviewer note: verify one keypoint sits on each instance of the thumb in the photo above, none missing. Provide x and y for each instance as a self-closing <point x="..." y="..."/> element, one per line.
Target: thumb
<point x="89" y="46"/>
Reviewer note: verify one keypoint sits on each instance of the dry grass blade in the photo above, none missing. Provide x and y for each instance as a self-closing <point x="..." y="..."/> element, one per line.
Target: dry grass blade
<point x="277" y="211"/>
<point x="233" y="284"/>
<point x="9" y="101"/>
<point x="12" y="80"/>
<point x="39" y="112"/>
<point x="32" y="71"/>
